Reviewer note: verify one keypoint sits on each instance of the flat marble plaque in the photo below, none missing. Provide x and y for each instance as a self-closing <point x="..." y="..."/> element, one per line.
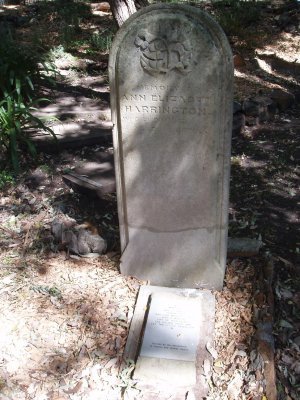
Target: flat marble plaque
<point x="177" y="325"/>
<point x="172" y="328"/>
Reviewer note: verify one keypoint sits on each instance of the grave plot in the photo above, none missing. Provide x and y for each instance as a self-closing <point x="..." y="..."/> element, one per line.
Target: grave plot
<point x="172" y="136"/>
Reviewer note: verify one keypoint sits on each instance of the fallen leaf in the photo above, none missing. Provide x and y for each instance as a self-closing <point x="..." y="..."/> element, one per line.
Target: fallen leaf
<point x="206" y="367"/>
<point x="234" y="387"/>
<point x="211" y="350"/>
<point x="75" y="389"/>
<point x="285" y="324"/>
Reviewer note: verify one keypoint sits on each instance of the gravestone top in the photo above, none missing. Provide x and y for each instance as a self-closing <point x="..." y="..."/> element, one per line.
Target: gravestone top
<point x="172" y="328"/>
<point x="171" y="80"/>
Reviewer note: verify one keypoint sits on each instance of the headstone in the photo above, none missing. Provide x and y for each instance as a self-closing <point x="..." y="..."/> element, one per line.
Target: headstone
<point x="171" y="348"/>
<point x="171" y="95"/>
<point x="170" y="340"/>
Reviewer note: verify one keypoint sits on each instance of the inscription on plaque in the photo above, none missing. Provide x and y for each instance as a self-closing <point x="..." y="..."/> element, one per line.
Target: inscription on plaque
<point x="172" y="328"/>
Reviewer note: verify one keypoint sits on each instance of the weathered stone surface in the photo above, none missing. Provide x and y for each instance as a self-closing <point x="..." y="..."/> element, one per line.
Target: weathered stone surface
<point x="172" y="329"/>
<point x="243" y="247"/>
<point x="169" y="323"/>
<point x="163" y="371"/>
<point x="171" y="94"/>
<point x="78" y="239"/>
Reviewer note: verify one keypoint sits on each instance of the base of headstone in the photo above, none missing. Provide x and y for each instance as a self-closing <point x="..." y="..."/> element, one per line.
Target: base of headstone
<point x="170" y="372"/>
<point x="157" y="366"/>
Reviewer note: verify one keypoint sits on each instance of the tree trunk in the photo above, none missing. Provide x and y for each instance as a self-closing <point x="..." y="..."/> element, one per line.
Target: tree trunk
<point x="122" y="9"/>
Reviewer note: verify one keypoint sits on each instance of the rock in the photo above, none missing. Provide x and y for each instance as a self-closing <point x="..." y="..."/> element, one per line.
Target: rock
<point x="177" y="245"/>
<point x="238" y="61"/>
<point x="78" y="239"/>
<point x="237" y="107"/>
<point x="261" y="107"/>
<point x="36" y="178"/>
<point x="283" y="100"/>
<point x="238" y="123"/>
<point x="103" y="6"/>
<point x="250" y="108"/>
<point x="243" y="247"/>
<point x="90" y="243"/>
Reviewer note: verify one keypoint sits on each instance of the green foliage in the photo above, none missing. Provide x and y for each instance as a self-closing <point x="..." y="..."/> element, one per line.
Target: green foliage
<point x="16" y="67"/>
<point x="6" y="178"/>
<point x="58" y="53"/>
<point x="16" y="119"/>
<point x="102" y="41"/>
<point x="236" y="15"/>
<point x="19" y="72"/>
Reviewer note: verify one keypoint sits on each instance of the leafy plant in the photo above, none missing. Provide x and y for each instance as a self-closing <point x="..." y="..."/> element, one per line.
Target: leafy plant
<point x="6" y="178"/>
<point x="20" y="67"/>
<point x="58" y="53"/>
<point x="102" y="41"/>
<point x="15" y="119"/>
<point x="21" y="70"/>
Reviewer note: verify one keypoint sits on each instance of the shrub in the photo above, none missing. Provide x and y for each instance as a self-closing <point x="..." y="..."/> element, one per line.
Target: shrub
<point x="16" y="119"/>
<point x="19" y="73"/>
<point x="6" y="178"/>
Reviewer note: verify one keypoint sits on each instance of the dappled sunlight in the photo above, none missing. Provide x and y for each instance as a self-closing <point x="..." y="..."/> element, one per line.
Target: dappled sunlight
<point x="267" y="67"/>
<point x="56" y="326"/>
<point x="284" y="47"/>
<point x="258" y="81"/>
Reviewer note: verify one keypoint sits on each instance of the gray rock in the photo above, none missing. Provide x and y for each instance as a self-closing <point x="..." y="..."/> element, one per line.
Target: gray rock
<point x="261" y="107"/>
<point x="250" y="108"/>
<point x="237" y="107"/>
<point x="238" y="123"/>
<point x="90" y="243"/>
<point x="77" y="239"/>
<point x="283" y="100"/>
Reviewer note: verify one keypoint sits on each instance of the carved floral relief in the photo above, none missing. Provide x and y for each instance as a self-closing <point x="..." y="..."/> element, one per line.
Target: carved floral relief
<point x="165" y="48"/>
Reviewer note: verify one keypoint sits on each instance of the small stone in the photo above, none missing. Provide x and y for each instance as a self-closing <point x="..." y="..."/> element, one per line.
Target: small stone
<point x="283" y="100"/>
<point x="238" y="123"/>
<point x="250" y="108"/>
<point x="237" y="107"/>
<point x="238" y="61"/>
<point x="206" y="367"/>
<point x="211" y="350"/>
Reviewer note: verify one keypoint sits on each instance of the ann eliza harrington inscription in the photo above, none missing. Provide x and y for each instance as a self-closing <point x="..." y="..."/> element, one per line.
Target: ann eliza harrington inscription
<point x="165" y="47"/>
<point x="160" y="104"/>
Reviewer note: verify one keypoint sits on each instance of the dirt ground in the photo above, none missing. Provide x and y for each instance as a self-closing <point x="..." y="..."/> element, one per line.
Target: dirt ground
<point x="64" y="319"/>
